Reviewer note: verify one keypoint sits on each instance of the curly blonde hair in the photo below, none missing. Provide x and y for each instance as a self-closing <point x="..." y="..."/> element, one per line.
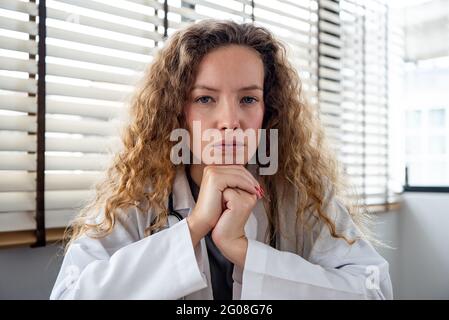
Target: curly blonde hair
<point x="306" y="166"/>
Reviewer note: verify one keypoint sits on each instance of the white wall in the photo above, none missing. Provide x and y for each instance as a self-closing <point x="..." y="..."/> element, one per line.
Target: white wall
<point x="386" y="227"/>
<point x="28" y="273"/>
<point x="419" y="266"/>
<point x="423" y="251"/>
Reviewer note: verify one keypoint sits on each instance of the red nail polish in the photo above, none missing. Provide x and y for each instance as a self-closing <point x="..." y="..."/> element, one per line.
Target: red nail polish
<point x="259" y="194"/>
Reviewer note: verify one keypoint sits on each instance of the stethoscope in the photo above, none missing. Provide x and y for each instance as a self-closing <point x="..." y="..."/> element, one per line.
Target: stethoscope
<point x="171" y="212"/>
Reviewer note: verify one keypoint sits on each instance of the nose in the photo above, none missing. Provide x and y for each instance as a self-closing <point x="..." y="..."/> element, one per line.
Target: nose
<point x="228" y="117"/>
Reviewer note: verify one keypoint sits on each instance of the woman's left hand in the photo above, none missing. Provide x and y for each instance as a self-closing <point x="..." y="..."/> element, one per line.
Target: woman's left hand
<point x="229" y="232"/>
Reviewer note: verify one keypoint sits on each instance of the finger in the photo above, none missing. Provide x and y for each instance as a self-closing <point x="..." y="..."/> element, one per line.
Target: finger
<point x="239" y="199"/>
<point x="242" y="170"/>
<point x="235" y="180"/>
<point x="239" y="196"/>
<point x="232" y="178"/>
<point x="230" y="196"/>
<point x="245" y="197"/>
<point x="239" y="169"/>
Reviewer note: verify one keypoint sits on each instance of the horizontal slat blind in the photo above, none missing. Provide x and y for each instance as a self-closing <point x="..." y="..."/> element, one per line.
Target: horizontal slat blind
<point x="183" y="12"/>
<point x="364" y="133"/>
<point x="18" y="87"/>
<point x="96" y="51"/>
<point x="329" y="71"/>
<point x="396" y="72"/>
<point x="295" y="24"/>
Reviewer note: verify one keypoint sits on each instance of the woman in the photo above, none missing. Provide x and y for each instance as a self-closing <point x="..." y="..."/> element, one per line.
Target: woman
<point x="239" y="234"/>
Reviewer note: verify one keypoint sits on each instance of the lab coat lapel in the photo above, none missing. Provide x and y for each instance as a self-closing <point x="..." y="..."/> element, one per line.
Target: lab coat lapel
<point x="182" y="196"/>
<point x="183" y="203"/>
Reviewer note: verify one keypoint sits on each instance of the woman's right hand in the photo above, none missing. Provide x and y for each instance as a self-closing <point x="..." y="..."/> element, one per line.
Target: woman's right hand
<point x="209" y="205"/>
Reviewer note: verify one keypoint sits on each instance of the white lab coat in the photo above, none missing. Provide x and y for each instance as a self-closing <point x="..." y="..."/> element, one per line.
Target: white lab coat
<point x="305" y="264"/>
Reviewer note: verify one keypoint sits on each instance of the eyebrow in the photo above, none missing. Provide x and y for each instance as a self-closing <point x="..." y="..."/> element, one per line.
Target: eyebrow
<point x="251" y="87"/>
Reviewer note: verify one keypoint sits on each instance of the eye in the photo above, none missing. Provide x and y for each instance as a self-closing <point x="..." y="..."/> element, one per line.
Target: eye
<point x="249" y="100"/>
<point x="204" y="99"/>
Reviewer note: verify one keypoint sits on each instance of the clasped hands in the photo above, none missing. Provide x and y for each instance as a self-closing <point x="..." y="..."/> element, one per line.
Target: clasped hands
<point x="227" y="196"/>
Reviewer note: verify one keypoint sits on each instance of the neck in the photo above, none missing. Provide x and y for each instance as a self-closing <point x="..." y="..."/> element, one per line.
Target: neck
<point x="196" y="172"/>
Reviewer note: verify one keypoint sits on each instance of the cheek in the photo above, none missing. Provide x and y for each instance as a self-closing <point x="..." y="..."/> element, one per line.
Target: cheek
<point x="189" y="116"/>
<point x="254" y="118"/>
<point x="195" y="114"/>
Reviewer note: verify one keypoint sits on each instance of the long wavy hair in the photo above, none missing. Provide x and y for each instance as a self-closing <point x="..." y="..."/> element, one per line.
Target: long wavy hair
<point x="306" y="165"/>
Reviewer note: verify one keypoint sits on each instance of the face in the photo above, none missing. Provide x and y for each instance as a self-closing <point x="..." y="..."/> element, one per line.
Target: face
<point x="227" y="97"/>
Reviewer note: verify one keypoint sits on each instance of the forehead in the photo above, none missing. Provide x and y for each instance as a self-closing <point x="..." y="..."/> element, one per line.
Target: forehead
<point x="233" y="65"/>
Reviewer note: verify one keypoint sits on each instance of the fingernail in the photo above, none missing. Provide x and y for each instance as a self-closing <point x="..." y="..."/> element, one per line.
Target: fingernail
<point x="258" y="192"/>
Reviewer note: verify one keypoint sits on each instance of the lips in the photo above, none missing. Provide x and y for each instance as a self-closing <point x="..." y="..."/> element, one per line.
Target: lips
<point x="229" y="144"/>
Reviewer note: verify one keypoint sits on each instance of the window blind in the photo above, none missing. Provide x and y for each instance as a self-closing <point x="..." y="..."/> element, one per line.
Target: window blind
<point x="18" y="108"/>
<point x="329" y="71"/>
<point x="364" y="89"/>
<point x="295" y="23"/>
<point x="96" y="50"/>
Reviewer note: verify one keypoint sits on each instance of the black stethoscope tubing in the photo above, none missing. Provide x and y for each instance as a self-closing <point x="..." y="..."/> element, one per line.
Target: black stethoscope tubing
<point x="170" y="208"/>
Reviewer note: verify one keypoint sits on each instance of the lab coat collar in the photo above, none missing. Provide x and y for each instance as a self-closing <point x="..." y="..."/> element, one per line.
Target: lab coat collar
<point x="182" y="196"/>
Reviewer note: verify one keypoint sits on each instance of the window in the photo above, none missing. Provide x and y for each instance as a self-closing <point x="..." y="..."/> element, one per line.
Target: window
<point x="427" y="129"/>
<point x="414" y="119"/>
<point x="437" y="118"/>
<point x="95" y="51"/>
<point x="424" y="96"/>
